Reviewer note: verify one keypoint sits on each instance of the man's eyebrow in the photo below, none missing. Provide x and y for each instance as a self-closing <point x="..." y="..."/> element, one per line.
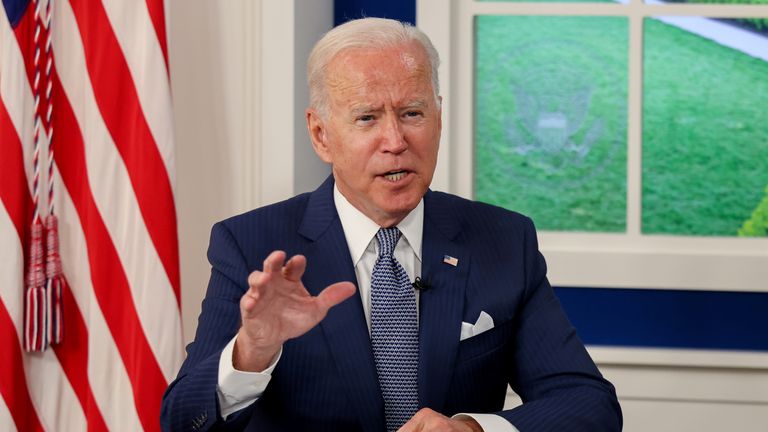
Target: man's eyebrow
<point x="362" y="109"/>
<point x="367" y="109"/>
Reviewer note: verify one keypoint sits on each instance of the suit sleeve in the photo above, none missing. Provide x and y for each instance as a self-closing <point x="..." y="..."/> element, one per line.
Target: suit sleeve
<point x="190" y="402"/>
<point x="552" y="372"/>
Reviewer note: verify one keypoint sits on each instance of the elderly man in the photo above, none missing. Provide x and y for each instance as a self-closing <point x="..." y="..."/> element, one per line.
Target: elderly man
<point x="381" y="305"/>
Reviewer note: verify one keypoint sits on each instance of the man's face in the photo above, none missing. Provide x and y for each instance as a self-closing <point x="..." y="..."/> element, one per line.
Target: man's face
<point x="382" y="129"/>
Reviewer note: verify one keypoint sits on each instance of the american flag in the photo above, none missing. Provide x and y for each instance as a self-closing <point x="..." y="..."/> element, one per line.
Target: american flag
<point x="110" y="130"/>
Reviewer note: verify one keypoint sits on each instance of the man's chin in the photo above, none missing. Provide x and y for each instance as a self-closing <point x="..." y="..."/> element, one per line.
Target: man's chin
<point x="398" y="208"/>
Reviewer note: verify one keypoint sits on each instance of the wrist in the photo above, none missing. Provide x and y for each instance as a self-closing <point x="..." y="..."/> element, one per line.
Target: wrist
<point x="252" y="357"/>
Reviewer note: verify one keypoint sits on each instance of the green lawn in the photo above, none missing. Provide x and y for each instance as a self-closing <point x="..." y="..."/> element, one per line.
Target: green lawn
<point x="705" y="134"/>
<point x="551" y="119"/>
<point x="705" y="129"/>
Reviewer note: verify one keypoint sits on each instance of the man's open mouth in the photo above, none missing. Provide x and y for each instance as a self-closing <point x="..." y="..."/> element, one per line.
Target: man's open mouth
<point x="394" y="176"/>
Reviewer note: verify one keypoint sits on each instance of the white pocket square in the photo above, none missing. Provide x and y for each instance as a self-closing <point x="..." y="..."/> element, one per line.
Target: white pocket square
<point x="483" y="324"/>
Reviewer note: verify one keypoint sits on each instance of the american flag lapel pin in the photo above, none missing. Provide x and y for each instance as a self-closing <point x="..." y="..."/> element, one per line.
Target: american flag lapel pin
<point x="450" y="260"/>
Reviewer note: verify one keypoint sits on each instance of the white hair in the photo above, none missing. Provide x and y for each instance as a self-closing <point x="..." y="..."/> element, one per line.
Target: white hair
<point x="375" y="33"/>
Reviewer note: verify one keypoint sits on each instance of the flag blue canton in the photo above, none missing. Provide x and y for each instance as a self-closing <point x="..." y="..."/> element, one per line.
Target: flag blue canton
<point x="15" y="9"/>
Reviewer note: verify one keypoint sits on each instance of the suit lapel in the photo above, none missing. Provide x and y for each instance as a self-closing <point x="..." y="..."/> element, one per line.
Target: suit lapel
<point x="440" y="306"/>
<point x="345" y="328"/>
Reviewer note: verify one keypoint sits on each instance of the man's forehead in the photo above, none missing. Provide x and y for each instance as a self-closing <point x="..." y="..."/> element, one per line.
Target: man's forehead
<point x="368" y="63"/>
<point x="406" y="51"/>
<point x="360" y="77"/>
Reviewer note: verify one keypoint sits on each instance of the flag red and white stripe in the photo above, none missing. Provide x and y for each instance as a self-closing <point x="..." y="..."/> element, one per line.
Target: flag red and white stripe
<point x="113" y="177"/>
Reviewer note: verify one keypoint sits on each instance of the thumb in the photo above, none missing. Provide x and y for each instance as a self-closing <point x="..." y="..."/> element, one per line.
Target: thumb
<point x="335" y="294"/>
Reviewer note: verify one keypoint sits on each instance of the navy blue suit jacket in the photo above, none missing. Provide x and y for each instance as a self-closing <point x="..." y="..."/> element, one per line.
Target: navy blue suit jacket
<point x="326" y="379"/>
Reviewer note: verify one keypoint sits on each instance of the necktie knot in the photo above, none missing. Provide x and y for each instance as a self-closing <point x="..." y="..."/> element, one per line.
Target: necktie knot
<point x="388" y="238"/>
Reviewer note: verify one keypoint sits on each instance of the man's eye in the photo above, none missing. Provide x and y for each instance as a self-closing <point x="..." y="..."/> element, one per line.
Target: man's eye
<point x="365" y="118"/>
<point x="413" y="114"/>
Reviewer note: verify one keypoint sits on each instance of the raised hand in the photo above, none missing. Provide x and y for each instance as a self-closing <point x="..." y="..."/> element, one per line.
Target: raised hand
<point x="277" y="307"/>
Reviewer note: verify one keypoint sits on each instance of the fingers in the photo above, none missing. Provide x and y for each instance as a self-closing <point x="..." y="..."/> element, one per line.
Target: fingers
<point x="280" y="280"/>
<point x="274" y="262"/>
<point x="417" y="422"/>
<point x="294" y="268"/>
<point x="272" y="265"/>
<point x="428" y="420"/>
<point x="250" y="299"/>
<point x="257" y="278"/>
<point x="275" y="270"/>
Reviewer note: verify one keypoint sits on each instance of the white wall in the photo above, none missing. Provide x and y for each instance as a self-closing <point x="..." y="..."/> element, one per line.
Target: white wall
<point x="237" y="76"/>
<point x="685" y="390"/>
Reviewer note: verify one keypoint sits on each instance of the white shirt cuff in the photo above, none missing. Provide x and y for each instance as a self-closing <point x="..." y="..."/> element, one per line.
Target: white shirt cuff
<point x="237" y="389"/>
<point x="491" y="422"/>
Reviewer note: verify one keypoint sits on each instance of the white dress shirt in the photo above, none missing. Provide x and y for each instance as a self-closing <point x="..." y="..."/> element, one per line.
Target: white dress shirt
<point x="237" y="389"/>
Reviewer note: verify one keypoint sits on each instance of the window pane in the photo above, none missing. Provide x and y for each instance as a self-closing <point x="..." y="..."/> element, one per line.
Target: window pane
<point x="705" y="126"/>
<point x="550" y="119"/>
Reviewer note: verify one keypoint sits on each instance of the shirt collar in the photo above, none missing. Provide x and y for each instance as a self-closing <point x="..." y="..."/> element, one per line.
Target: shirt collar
<point x="360" y="230"/>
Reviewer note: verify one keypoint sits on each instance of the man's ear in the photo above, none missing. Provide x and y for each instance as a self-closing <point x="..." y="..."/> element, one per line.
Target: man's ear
<point x="317" y="133"/>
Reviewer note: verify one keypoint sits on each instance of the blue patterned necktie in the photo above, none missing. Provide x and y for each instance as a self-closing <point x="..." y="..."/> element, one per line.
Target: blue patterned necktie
<point x="394" y="332"/>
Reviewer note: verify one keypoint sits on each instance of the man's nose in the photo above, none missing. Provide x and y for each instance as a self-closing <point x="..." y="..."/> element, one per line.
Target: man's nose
<point x="393" y="136"/>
